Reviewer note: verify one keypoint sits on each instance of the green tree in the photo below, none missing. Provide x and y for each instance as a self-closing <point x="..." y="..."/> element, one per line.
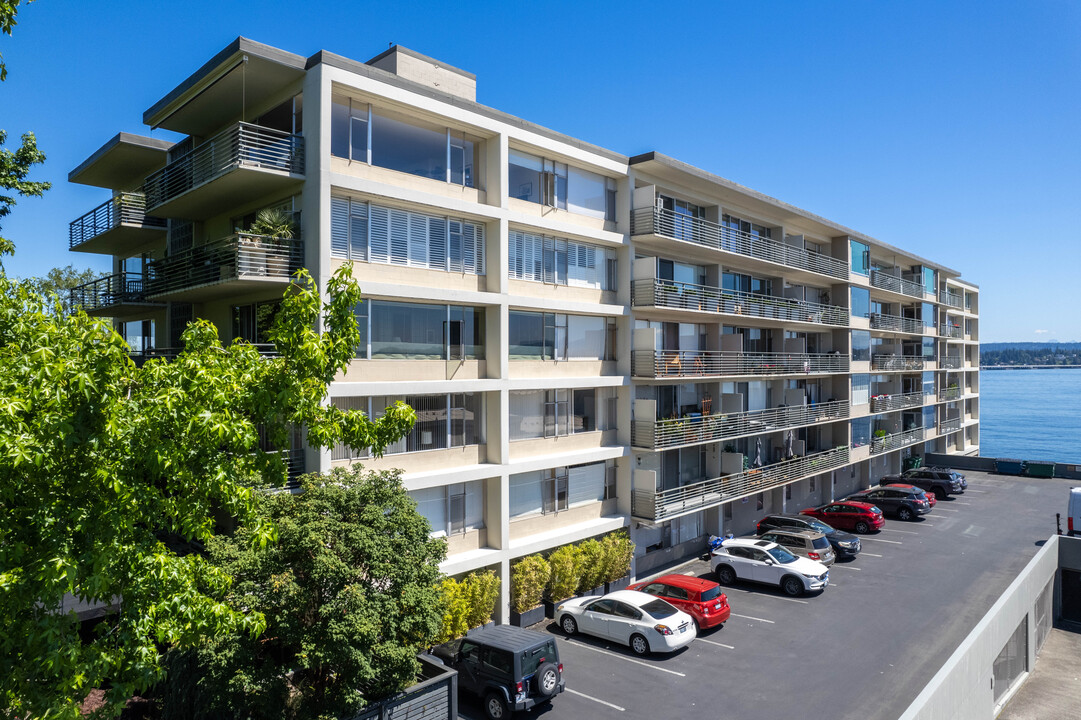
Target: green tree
<point x="104" y="464"/>
<point x="350" y="593"/>
<point x="8" y="10"/>
<point x="60" y="281"/>
<point x="15" y="166"/>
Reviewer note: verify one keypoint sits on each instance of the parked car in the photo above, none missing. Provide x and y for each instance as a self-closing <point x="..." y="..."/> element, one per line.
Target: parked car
<point x="845" y="545"/>
<point x="767" y="562"/>
<point x="644" y="622"/>
<point x="1073" y="513"/>
<point x="511" y="668"/>
<point x="859" y="517"/>
<point x="700" y="598"/>
<point x="943" y="482"/>
<point x="810" y="544"/>
<point x="907" y="502"/>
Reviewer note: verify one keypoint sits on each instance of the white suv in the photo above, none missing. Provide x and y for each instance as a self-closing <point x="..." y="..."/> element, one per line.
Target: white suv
<point x="767" y="562"/>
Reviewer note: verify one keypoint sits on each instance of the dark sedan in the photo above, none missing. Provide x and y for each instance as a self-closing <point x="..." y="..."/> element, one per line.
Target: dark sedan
<point x="845" y="545"/>
<point x="906" y="503"/>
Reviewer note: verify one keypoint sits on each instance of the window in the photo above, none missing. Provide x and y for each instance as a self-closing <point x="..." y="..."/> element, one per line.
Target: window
<point x="1012" y="660"/>
<point x="861" y="302"/>
<point x="742" y="231"/>
<point x="452" y="509"/>
<point x="788" y="492"/>
<point x="414" y="331"/>
<point x="929" y="284"/>
<point x="861" y="389"/>
<point x="861" y="431"/>
<point x="928" y="348"/>
<point x="557" y="261"/>
<point x="554" y="492"/>
<point x="372" y="233"/>
<point x="861" y="345"/>
<point x="556" y="185"/>
<point x="610" y="481"/>
<point x="861" y="257"/>
<point x="556" y="413"/>
<point x="556" y="489"/>
<point x="811" y="485"/>
<point x="442" y="421"/>
<point x="252" y="322"/>
<point x="552" y="336"/>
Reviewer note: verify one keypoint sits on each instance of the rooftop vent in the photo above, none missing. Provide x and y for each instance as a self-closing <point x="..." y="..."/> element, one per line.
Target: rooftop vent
<point x="427" y="71"/>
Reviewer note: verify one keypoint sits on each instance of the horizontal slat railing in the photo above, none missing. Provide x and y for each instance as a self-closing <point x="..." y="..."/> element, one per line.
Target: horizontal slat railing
<point x="698" y="363"/>
<point x="236" y="257"/>
<point x="896" y="323"/>
<point x="897" y="362"/>
<point x="661" y="504"/>
<point x="889" y="403"/>
<point x="688" y="296"/>
<point x="951" y="299"/>
<point x="242" y="144"/>
<point x="950" y="331"/>
<point x="949" y="425"/>
<point x="108" y="291"/>
<point x="122" y="209"/>
<point x="953" y="393"/>
<point x="662" y="434"/>
<point x="668" y="223"/>
<point x="896" y="284"/>
<point x="949" y="362"/>
<point x="169" y="353"/>
<point x="896" y="440"/>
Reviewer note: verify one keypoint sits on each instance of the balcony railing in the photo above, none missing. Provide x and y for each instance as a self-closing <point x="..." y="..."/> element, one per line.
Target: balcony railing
<point x="237" y="257"/>
<point x="699" y="363"/>
<point x="949" y="362"/>
<point x="668" y="223"/>
<point x="169" y="353"/>
<point x="663" y="434"/>
<point x="889" y="403"/>
<point x="242" y="145"/>
<point x="949" y="425"/>
<point x="896" y="323"/>
<point x="952" y="299"/>
<point x="896" y="441"/>
<point x="952" y="393"/>
<point x="950" y="331"/>
<point x="896" y="284"/>
<point x="123" y="209"/>
<point x="897" y="362"/>
<point x="688" y="296"/>
<point x="109" y="291"/>
<point x="659" y="505"/>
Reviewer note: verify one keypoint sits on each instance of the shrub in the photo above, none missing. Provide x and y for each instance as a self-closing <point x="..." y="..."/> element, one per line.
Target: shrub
<point x="591" y="567"/>
<point x="483" y="591"/>
<point x="467" y="603"/>
<point x="618" y="553"/>
<point x="563" y="583"/>
<point x="528" y="578"/>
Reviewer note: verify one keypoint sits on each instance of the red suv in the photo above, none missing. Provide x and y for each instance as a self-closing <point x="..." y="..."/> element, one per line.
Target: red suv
<point x="701" y="599"/>
<point x="851" y="515"/>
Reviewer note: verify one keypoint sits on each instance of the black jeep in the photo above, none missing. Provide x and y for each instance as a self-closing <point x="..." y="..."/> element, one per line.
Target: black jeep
<point x="509" y="667"/>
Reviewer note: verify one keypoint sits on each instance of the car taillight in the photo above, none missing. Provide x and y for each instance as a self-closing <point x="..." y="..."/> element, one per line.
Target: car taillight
<point x="519" y="687"/>
<point x="1069" y="525"/>
<point x="560" y="668"/>
<point x="663" y="629"/>
<point x="813" y="555"/>
<point x="724" y="599"/>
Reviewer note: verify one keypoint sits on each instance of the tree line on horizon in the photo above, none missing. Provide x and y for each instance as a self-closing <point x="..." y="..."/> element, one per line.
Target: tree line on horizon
<point x="1063" y="354"/>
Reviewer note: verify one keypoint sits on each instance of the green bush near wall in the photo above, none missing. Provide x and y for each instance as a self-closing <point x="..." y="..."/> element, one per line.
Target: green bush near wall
<point x="528" y="578"/>
<point x="468" y="603"/>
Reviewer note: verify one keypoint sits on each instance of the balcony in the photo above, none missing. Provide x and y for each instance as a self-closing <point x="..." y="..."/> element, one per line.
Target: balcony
<point x="702" y="298"/>
<point x="229" y="266"/>
<point x="896" y="323"/>
<point x="139" y="357"/>
<point x="896" y="441"/>
<point x="239" y="165"/>
<point x="890" y="403"/>
<point x="718" y="363"/>
<point x="680" y="432"/>
<point x="953" y="300"/>
<point x="948" y="394"/>
<point x="950" y="362"/>
<point x="949" y="331"/>
<point x="949" y="425"/>
<point x="892" y="283"/>
<point x="118" y="296"/>
<point x="897" y="362"/>
<point x="119" y="226"/>
<point x="658" y="505"/>
<point x="672" y="225"/>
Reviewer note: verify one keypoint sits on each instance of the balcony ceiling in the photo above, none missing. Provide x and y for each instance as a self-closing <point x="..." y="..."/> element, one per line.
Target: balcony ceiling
<point x="217" y="93"/>
<point x="122" y="163"/>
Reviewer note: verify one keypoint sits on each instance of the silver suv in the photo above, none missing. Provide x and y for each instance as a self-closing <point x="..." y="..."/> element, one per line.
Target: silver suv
<point x="767" y="562"/>
<point x="810" y="544"/>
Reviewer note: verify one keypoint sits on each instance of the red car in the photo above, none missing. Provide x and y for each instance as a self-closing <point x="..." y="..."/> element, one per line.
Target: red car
<point x="701" y="599"/>
<point x="931" y="501"/>
<point x="859" y="517"/>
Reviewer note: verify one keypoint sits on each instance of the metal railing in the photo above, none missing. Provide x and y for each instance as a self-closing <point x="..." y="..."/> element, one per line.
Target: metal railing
<point x="953" y="393"/>
<point x="949" y="425"/>
<point x="676" y="432"/>
<point x="896" y="284"/>
<point x="122" y="209"/>
<point x="689" y="296"/>
<point x="668" y="223"/>
<point x="662" y="504"/>
<point x="949" y="362"/>
<point x="950" y="331"/>
<point x="952" y="299"/>
<point x="169" y="353"/>
<point x="242" y="256"/>
<point x="241" y="145"/>
<point x="697" y="363"/>
<point x="897" y="362"/>
<point x="109" y="291"/>
<point x="889" y="403"/>
<point x="897" y="440"/>
<point x="896" y="323"/>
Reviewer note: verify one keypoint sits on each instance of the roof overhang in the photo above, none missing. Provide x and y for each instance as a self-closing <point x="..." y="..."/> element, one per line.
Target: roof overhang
<point x="243" y="75"/>
<point x="122" y="163"/>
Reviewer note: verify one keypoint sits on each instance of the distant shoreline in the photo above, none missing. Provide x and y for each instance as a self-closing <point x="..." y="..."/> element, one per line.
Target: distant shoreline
<point x="1029" y="367"/>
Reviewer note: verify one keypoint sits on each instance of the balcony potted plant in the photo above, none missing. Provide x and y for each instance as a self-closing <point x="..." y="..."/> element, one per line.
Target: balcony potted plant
<point x="528" y="578"/>
<point x="268" y="241"/>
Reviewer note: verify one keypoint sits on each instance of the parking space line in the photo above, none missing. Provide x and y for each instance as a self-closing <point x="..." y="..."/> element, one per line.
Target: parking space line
<point x="752" y="617"/>
<point x="958" y="502"/>
<point x="906" y="532"/>
<point x="775" y="597"/>
<point x="871" y="554"/>
<point x="947" y="509"/>
<point x="630" y="660"/>
<point x="891" y="542"/>
<point x="977" y="491"/>
<point x="845" y="567"/>
<point x="596" y="700"/>
<point x="711" y="642"/>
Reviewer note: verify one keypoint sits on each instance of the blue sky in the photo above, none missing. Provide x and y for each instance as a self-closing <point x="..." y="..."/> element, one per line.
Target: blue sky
<point x="947" y="128"/>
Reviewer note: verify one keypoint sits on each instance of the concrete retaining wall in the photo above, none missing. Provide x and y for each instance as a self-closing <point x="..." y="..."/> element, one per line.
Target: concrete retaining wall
<point x="987" y="464"/>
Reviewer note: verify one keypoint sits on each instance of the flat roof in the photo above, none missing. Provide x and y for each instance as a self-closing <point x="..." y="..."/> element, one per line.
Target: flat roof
<point x="122" y="161"/>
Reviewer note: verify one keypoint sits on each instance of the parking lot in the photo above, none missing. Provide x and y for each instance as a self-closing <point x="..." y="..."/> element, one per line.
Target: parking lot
<point x="863" y="648"/>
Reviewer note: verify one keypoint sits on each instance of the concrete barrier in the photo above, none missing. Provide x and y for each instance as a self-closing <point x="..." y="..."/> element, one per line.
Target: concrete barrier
<point x="987" y="464"/>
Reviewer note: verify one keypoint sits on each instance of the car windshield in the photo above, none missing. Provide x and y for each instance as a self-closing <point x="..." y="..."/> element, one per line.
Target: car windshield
<point x="659" y="609"/>
<point x="820" y="526"/>
<point x="711" y="594"/>
<point x="781" y="555"/>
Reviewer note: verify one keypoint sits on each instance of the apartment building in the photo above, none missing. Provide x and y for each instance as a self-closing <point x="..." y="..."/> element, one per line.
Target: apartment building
<point x="591" y="341"/>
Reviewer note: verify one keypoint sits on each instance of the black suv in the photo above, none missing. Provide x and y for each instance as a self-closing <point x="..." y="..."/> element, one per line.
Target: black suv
<point x="907" y="503"/>
<point x="943" y="482"/>
<point x="845" y="545"/>
<point x="509" y="667"/>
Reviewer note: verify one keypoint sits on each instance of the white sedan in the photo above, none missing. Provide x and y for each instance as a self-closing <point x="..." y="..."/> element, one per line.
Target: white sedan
<point x="644" y="622"/>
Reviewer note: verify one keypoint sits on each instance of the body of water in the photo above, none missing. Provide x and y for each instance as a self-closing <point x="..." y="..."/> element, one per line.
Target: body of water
<point x="1031" y="414"/>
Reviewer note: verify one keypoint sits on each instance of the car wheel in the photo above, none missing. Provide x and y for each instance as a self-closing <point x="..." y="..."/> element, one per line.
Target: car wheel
<point x="905" y="513"/>
<point x="697" y="627"/>
<point x="725" y="575"/>
<point x="546" y="681"/>
<point x="940" y="493"/>
<point x="639" y="645"/>
<point x="569" y="625"/>
<point x="495" y="707"/>
<point x="792" y="586"/>
<point x="862" y="528"/>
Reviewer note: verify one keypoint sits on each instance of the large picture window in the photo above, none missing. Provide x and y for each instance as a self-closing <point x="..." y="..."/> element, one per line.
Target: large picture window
<point x="452" y="509"/>
<point x="557" y="261"/>
<point x="419" y="332"/>
<point x="555" y="336"/>
<point x="555" y="184"/>
<point x="443" y="421"/>
<point x="553" y="490"/>
<point x="552" y="413"/>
